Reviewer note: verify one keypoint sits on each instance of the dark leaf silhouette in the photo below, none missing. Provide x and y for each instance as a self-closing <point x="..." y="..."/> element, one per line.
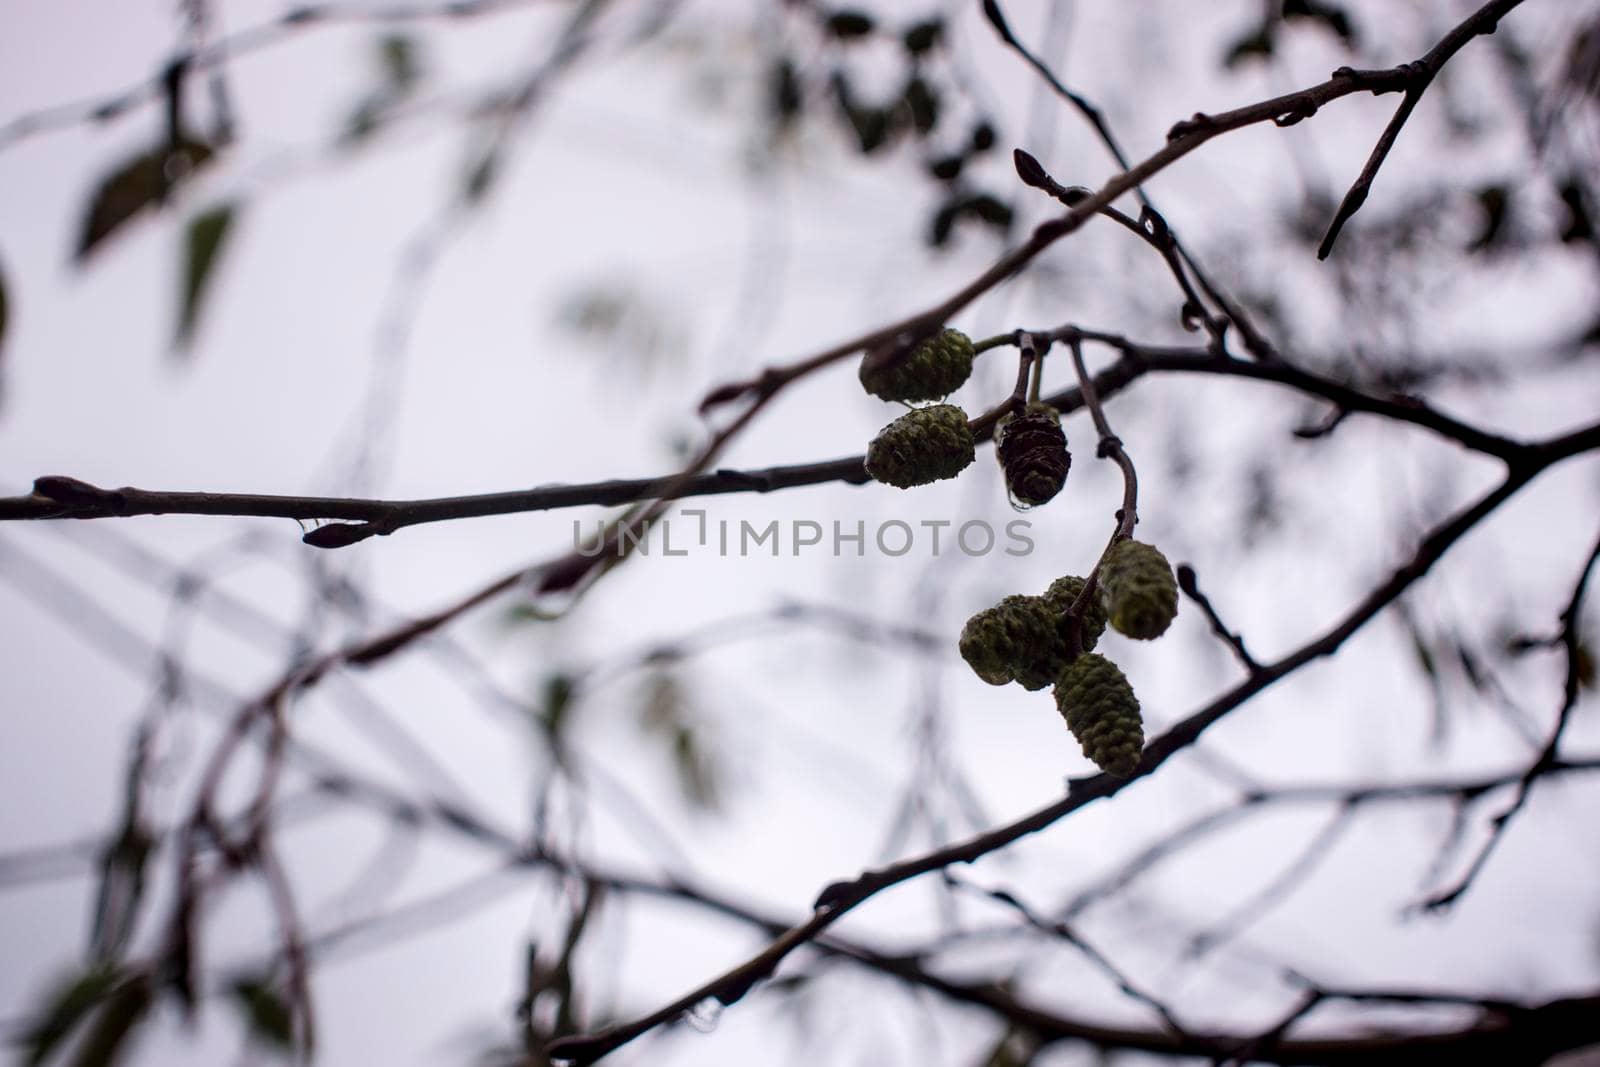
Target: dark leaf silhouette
<point x="849" y="25"/>
<point x="786" y="97"/>
<point x="922" y="100"/>
<point x="1331" y="16"/>
<point x="4" y="312"/>
<point x="1255" y="45"/>
<point x="558" y="691"/>
<point x="947" y="168"/>
<point x="203" y="243"/>
<point x="142" y="182"/>
<point x="1579" y="227"/>
<point x="267" y="1017"/>
<point x="398" y="55"/>
<point x="872" y="128"/>
<point x="990" y="209"/>
<point x="1495" y="203"/>
<point x="943" y="223"/>
<point x="123" y="868"/>
<point x="924" y="36"/>
<point x="67" y="1006"/>
<point x="481" y="175"/>
<point x="125" y="1007"/>
<point x="666" y="714"/>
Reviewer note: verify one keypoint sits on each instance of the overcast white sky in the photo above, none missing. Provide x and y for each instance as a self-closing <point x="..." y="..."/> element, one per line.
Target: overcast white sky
<point x="642" y="173"/>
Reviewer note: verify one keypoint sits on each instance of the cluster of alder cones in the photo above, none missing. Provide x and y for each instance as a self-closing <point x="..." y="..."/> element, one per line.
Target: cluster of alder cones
<point x="1034" y="641"/>
<point x="928" y="444"/>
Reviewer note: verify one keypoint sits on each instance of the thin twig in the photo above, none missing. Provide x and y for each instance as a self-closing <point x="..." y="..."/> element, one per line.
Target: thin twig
<point x="1191" y="588"/>
<point x="1570" y="639"/>
<point x="1418" y="76"/>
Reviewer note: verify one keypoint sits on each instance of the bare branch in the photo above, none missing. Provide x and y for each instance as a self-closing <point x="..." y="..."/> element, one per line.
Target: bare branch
<point x="1546" y="759"/>
<point x="1418" y="76"/>
<point x="1191" y="588"/>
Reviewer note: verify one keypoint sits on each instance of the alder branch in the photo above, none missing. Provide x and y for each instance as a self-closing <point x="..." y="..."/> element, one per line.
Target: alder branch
<point x="284" y="27"/>
<point x="1553" y="1024"/>
<point x="1419" y="75"/>
<point x="62" y="494"/>
<point x="1570" y="641"/>
<point x="1353" y="796"/>
<point x="1182" y="139"/>
<point x="1172" y="250"/>
<point x="1190" y="584"/>
<point x="61" y="497"/>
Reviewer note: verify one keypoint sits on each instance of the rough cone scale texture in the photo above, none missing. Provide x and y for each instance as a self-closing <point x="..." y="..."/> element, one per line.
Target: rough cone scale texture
<point x="922" y="446"/>
<point x="1141" y="594"/>
<point x="1032" y="449"/>
<point x="935" y="368"/>
<point x="1101" y="711"/>
<point x="1018" y="640"/>
<point x="1063" y="593"/>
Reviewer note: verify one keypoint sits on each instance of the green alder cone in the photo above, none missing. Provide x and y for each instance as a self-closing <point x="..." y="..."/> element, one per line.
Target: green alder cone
<point x="1140" y="592"/>
<point x="1018" y="640"/>
<point x="1063" y="593"/>
<point x="922" y="446"/>
<point x="1032" y="449"/>
<point x="937" y="367"/>
<point x="1101" y="711"/>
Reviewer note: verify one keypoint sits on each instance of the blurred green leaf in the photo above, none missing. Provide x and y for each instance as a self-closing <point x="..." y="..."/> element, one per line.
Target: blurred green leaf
<point x="3" y="312"/>
<point x="397" y="54"/>
<point x="1579" y="225"/>
<point x="267" y="1016"/>
<point x="1016" y="1048"/>
<point x="125" y="1007"/>
<point x="871" y="126"/>
<point x="363" y="121"/>
<point x="144" y="181"/>
<point x="201" y="246"/>
<point x="697" y="773"/>
<point x="65" y="1007"/>
<point x="399" y="70"/>
<point x="848" y="25"/>
<point x="123" y="867"/>
<point x="558" y="690"/>
<point x="1331" y="16"/>
<point x="1494" y="200"/>
<point x="995" y="212"/>
<point x="481" y="176"/>
<point x="923" y="36"/>
<point x="943" y="223"/>
<point x="666" y="714"/>
<point x="1254" y="45"/>
<point x="947" y="168"/>
<point x="922" y="100"/>
<point x="786" y="96"/>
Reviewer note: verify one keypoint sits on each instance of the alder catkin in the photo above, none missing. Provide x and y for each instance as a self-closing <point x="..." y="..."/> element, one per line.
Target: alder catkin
<point x="1095" y="698"/>
<point x="1018" y="640"/>
<point x="933" y="370"/>
<point x="1063" y="593"/>
<point x="923" y="445"/>
<point x="1140" y="592"/>
<point x="1032" y="449"/>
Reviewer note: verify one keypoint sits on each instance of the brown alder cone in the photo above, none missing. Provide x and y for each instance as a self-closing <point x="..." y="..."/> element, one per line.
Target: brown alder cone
<point x="1032" y="449"/>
